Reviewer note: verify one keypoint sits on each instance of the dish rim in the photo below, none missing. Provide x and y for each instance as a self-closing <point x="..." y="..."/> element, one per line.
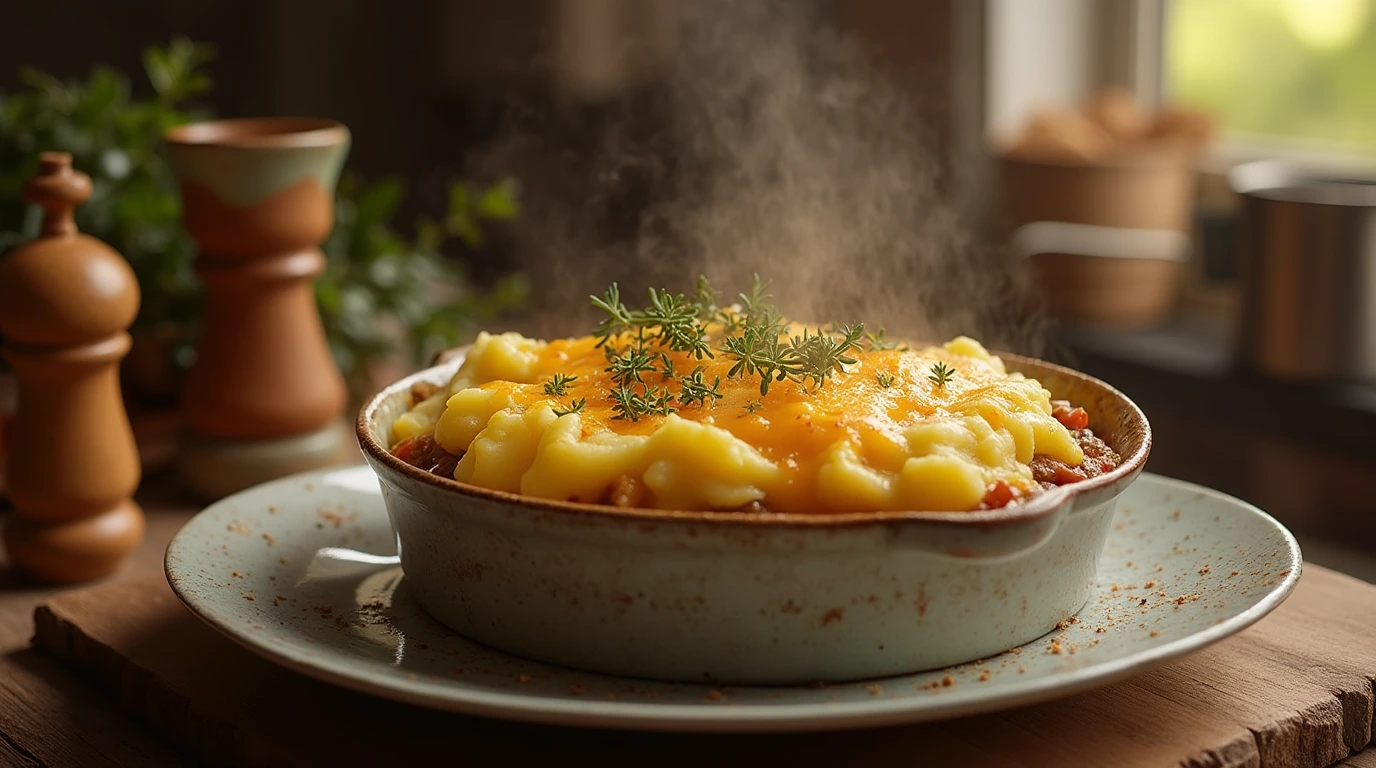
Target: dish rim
<point x="1043" y="505"/>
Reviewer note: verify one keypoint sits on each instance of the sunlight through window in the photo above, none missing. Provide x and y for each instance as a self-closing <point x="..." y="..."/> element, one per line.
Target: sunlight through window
<point x="1293" y="68"/>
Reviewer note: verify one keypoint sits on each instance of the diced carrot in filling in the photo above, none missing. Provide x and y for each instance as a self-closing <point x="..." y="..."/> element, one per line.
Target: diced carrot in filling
<point x="999" y="495"/>
<point x="1071" y="418"/>
<point x="404" y="449"/>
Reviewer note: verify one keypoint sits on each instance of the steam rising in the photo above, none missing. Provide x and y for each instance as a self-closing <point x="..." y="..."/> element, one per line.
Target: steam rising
<point x="769" y="146"/>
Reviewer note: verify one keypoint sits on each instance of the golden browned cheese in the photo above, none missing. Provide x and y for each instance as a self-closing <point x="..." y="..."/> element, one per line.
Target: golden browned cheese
<point x="861" y="442"/>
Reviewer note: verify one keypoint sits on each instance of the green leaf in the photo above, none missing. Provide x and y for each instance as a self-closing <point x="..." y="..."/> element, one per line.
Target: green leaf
<point x="33" y="220"/>
<point x="375" y="279"/>
<point x="159" y="70"/>
<point x="378" y="202"/>
<point x="195" y="83"/>
<point x="429" y="234"/>
<point x="44" y="84"/>
<point x="174" y="71"/>
<point x="501" y="201"/>
<point x="465" y="227"/>
<point x="327" y="295"/>
<point x="509" y="292"/>
<point x="103" y="96"/>
<point x="460" y="200"/>
<point x="10" y="239"/>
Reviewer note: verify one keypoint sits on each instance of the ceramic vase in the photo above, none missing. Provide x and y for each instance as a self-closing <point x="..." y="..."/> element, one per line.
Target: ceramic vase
<point x="264" y="397"/>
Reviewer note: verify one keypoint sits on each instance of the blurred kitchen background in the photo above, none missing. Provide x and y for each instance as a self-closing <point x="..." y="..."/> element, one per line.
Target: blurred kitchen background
<point x="1111" y="147"/>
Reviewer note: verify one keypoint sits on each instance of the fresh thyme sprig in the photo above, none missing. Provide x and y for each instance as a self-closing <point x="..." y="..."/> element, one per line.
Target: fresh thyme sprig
<point x="758" y="303"/>
<point x="753" y="334"/>
<point x="707" y="300"/>
<point x="618" y="317"/>
<point x="942" y="374"/>
<point x="822" y="354"/>
<point x="658" y="401"/>
<point x="758" y="351"/>
<point x="631" y="364"/>
<point x="710" y="311"/>
<point x="877" y="342"/>
<point x="576" y="406"/>
<point x="671" y="319"/>
<point x="753" y="406"/>
<point x="558" y="384"/>
<point x="677" y="320"/>
<point x="627" y="403"/>
<point x="695" y="389"/>
<point x="885" y="379"/>
<point x="630" y="404"/>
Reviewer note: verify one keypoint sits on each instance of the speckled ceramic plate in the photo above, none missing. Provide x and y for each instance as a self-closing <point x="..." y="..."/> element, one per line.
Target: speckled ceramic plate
<point x="303" y="572"/>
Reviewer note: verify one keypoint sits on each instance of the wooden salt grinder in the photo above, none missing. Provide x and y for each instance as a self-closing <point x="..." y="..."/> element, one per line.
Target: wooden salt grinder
<point x="66" y="302"/>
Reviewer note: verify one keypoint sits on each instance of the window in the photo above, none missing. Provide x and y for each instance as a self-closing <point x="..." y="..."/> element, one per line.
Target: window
<point x="1299" y="69"/>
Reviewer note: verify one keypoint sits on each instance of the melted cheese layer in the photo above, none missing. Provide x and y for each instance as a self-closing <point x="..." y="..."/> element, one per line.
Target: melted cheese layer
<point x="852" y="445"/>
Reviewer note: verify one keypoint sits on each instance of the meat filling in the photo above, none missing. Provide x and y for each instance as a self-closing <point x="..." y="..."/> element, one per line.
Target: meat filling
<point x="1099" y="458"/>
<point x="1049" y="472"/>
<point x="423" y="452"/>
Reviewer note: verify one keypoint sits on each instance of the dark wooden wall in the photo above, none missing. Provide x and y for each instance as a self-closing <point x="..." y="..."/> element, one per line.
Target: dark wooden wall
<point x="419" y="83"/>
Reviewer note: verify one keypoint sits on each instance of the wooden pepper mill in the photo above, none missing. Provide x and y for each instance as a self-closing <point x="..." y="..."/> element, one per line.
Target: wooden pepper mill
<point x="66" y="302"/>
<point x="264" y="398"/>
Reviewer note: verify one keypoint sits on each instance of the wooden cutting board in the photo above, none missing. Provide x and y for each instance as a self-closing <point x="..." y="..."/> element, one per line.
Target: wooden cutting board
<point x="1294" y="690"/>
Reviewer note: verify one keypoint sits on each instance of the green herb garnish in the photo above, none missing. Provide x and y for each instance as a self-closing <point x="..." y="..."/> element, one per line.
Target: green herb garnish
<point x="941" y="374"/>
<point x="753" y="406"/>
<point x="695" y="389"/>
<point x="673" y="318"/>
<point x="707" y="301"/>
<point x="885" y="379"/>
<point x="627" y="403"/>
<point x="677" y="320"/>
<point x="659" y="402"/>
<point x="576" y="406"/>
<point x="558" y="384"/>
<point x="618" y="317"/>
<point x="820" y="355"/>
<point x="631" y="364"/>
<point x="758" y="352"/>
<point x="753" y="334"/>
<point x="877" y="342"/>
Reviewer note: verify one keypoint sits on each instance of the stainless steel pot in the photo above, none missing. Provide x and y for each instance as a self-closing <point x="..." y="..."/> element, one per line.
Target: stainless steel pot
<point x="1307" y="260"/>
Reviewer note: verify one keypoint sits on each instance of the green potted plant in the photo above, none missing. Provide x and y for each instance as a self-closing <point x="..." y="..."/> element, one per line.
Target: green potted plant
<point x="374" y="271"/>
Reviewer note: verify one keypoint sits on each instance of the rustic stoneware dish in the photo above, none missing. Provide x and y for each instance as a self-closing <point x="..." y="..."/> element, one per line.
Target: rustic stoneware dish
<point x="751" y="598"/>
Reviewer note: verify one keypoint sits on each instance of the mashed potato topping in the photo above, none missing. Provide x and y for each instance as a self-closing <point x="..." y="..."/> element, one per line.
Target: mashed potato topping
<point x="885" y="435"/>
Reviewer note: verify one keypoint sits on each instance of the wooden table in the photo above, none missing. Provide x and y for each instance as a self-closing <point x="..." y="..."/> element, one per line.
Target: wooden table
<point x="49" y="716"/>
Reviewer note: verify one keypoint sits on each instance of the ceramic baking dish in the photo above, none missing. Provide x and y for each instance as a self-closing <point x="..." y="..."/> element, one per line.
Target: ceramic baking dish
<point x="752" y="598"/>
